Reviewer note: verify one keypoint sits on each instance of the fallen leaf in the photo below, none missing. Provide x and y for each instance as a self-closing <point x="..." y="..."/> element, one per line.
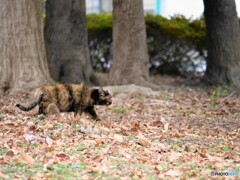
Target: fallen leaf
<point x="166" y="124"/>
<point x="25" y="158"/>
<point x="174" y="156"/>
<point x="113" y="150"/>
<point x="97" y="158"/>
<point x="87" y="129"/>
<point x="49" y="141"/>
<point x="29" y="137"/>
<point x="10" y="153"/>
<point x="135" y="126"/>
<point x="143" y="158"/>
<point x="143" y="140"/>
<point x="99" y="142"/>
<point x="62" y="156"/>
<point x="118" y="137"/>
<point x="173" y="173"/>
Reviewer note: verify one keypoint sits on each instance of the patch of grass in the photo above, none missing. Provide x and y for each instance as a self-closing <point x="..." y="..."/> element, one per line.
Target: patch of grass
<point x="20" y="170"/>
<point x="3" y="151"/>
<point x="34" y="144"/>
<point x="65" y="171"/>
<point x="80" y="147"/>
<point x="119" y="110"/>
<point x="208" y="166"/>
<point x="220" y="91"/>
<point x="188" y="112"/>
<point x="136" y="95"/>
<point x="219" y="141"/>
<point x="151" y="176"/>
<point x="212" y="148"/>
<point x="217" y="93"/>
<point x="21" y="144"/>
<point x="9" y="169"/>
<point x="120" y="162"/>
<point x="143" y="166"/>
<point x="77" y="149"/>
<point x="227" y="149"/>
<point x="39" y="120"/>
<point x="165" y="98"/>
<point x="60" y="125"/>
<point x="164" y="166"/>
<point x="177" y="148"/>
<point x="213" y="105"/>
<point x="191" y="165"/>
<point x="77" y="128"/>
<point x="99" y="175"/>
<point x="186" y="148"/>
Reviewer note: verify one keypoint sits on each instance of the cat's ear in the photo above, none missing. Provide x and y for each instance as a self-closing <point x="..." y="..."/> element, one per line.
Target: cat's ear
<point x="100" y="90"/>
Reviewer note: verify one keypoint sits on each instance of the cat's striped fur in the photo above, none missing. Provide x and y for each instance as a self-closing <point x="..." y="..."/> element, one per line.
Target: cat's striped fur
<point x="69" y="98"/>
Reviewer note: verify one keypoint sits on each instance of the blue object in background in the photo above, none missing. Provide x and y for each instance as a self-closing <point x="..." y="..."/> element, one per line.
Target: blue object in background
<point x="158" y="7"/>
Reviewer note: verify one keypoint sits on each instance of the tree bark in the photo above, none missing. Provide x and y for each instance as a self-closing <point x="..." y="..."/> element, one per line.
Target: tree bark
<point x="23" y="63"/>
<point x="223" y="42"/>
<point x="67" y="41"/>
<point x="130" y="58"/>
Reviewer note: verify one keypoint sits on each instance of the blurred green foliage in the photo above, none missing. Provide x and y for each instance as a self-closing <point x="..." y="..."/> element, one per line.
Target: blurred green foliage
<point x="177" y="27"/>
<point x="176" y="46"/>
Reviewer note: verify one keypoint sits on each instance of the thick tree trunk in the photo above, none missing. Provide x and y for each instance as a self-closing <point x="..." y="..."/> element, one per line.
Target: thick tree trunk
<point x="67" y="42"/>
<point x="130" y="58"/>
<point x="23" y="63"/>
<point x="223" y="42"/>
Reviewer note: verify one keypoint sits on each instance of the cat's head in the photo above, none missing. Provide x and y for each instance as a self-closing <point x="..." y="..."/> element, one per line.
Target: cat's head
<point x="101" y="97"/>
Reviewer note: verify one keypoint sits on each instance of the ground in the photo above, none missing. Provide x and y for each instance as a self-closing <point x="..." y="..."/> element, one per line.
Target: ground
<point x="183" y="131"/>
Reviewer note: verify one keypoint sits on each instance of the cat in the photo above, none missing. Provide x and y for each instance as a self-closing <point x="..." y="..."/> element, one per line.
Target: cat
<point x="75" y="98"/>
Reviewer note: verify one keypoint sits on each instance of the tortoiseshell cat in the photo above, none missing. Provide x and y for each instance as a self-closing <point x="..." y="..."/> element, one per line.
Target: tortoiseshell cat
<point x="69" y="98"/>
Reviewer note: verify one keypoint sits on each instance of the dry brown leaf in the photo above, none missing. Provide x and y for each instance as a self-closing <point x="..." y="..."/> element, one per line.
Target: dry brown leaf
<point x="135" y="126"/>
<point x="10" y="153"/>
<point x="62" y="156"/>
<point x="97" y="158"/>
<point x="113" y="150"/>
<point x="99" y="141"/>
<point x="143" y="140"/>
<point x="118" y="137"/>
<point x="156" y="123"/>
<point x="25" y="158"/>
<point x="143" y="158"/>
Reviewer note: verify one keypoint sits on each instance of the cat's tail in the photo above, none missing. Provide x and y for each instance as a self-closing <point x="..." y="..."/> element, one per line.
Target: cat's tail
<point x="31" y="106"/>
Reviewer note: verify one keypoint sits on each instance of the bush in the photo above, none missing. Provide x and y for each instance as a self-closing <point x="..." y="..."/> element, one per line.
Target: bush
<point x="175" y="46"/>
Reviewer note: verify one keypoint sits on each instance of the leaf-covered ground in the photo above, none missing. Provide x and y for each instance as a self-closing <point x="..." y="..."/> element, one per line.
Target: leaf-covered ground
<point x="183" y="133"/>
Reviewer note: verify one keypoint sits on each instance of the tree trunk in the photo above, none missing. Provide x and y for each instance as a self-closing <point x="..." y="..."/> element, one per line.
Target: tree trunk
<point x="130" y="58"/>
<point x="67" y="42"/>
<point x="23" y="63"/>
<point x="223" y="42"/>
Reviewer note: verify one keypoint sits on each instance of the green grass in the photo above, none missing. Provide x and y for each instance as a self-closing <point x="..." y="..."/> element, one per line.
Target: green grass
<point x="164" y="166"/>
<point x="119" y="110"/>
<point x="55" y="171"/>
<point x="3" y="151"/>
<point x="77" y="149"/>
<point x="220" y="91"/>
<point x="217" y="93"/>
<point x="136" y="95"/>
<point x="227" y="149"/>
